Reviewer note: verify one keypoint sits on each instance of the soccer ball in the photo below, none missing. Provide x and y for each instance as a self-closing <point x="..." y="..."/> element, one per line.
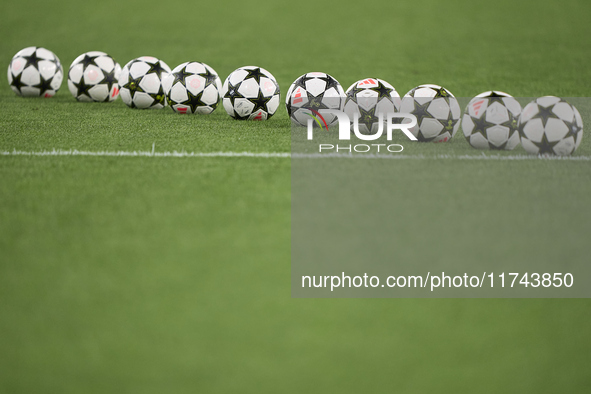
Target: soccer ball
<point x="93" y="76"/>
<point x="250" y="93"/>
<point x="35" y="72"/>
<point x="490" y="121"/>
<point x="367" y="99"/>
<point x="437" y="111"/>
<point x="141" y="83"/>
<point x="193" y="88"/>
<point x="312" y="92"/>
<point x="550" y="125"/>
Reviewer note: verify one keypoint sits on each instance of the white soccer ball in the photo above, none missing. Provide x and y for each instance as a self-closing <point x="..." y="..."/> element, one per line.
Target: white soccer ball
<point x="490" y="121"/>
<point x="94" y="76"/>
<point x="193" y="88"/>
<point x="35" y="72"/>
<point x="550" y="126"/>
<point x="437" y="111"/>
<point x="250" y="93"/>
<point x="141" y="83"/>
<point x="312" y="92"/>
<point x="366" y="99"/>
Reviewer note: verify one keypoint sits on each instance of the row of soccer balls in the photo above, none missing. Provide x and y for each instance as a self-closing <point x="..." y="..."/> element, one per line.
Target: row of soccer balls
<point x="492" y="120"/>
<point x="146" y="82"/>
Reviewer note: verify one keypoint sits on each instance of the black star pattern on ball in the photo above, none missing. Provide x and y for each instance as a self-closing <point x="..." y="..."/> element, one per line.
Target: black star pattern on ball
<point x="441" y="92"/>
<point x="88" y="60"/>
<point x="352" y="94"/>
<point x="545" y="113"/>
<point x="133" y="84"/>
<point x="573" y="128"/>
<point x="32" y="60"/>
<point x="156" y="68"/>
<point x="368" y="117"/>
<point x="301" y="82"/>
<point x="17" y="83"/>
<point x="260" y="102"/>
<point x="513" y="124"/>
<point x="545" y="146"/>
<point x="194" y="101"/>
<point x="382" y="91"/>
<point x="420" y="111"/>
<point x="82" y="88"/>
<point x="449" y="123"/>
<point x="233" y="92"/>
<point x="159" y="98"/>
<point x="110" y="80"/>
<point x="480" y="125"/>
<point x="330" y="82"/>
<point x="494" y="97"/>
<point x="44" y="85"/>
<point x="209" y="77"/>
<point x="315" y="103"/>
<point x="180" y="76"/>
<point x="255" y="73"/>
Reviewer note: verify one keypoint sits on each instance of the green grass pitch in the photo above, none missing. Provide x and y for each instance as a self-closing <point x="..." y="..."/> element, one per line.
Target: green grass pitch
<point x="152" y="275"/>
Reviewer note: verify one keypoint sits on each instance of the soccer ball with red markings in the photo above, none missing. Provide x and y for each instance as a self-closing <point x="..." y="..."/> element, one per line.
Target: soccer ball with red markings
<point x="94" y="76"/>
<point x="193" y="88"/>
<point x="550" y="126"/>
<point x="313" y="92"/>
<point x="490" y="121"/>
<point x="35" y="72"/>
<point x="141" y="83"/>
<point x="250" y="93"/>
<point x="367" y="99"/>
<point x="437" y="112"/>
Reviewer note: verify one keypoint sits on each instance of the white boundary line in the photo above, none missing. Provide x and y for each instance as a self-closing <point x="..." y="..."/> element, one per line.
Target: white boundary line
<point x="483" y="156"/>
<point x="75" y="152"/>
<point x="396" y="156"/>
